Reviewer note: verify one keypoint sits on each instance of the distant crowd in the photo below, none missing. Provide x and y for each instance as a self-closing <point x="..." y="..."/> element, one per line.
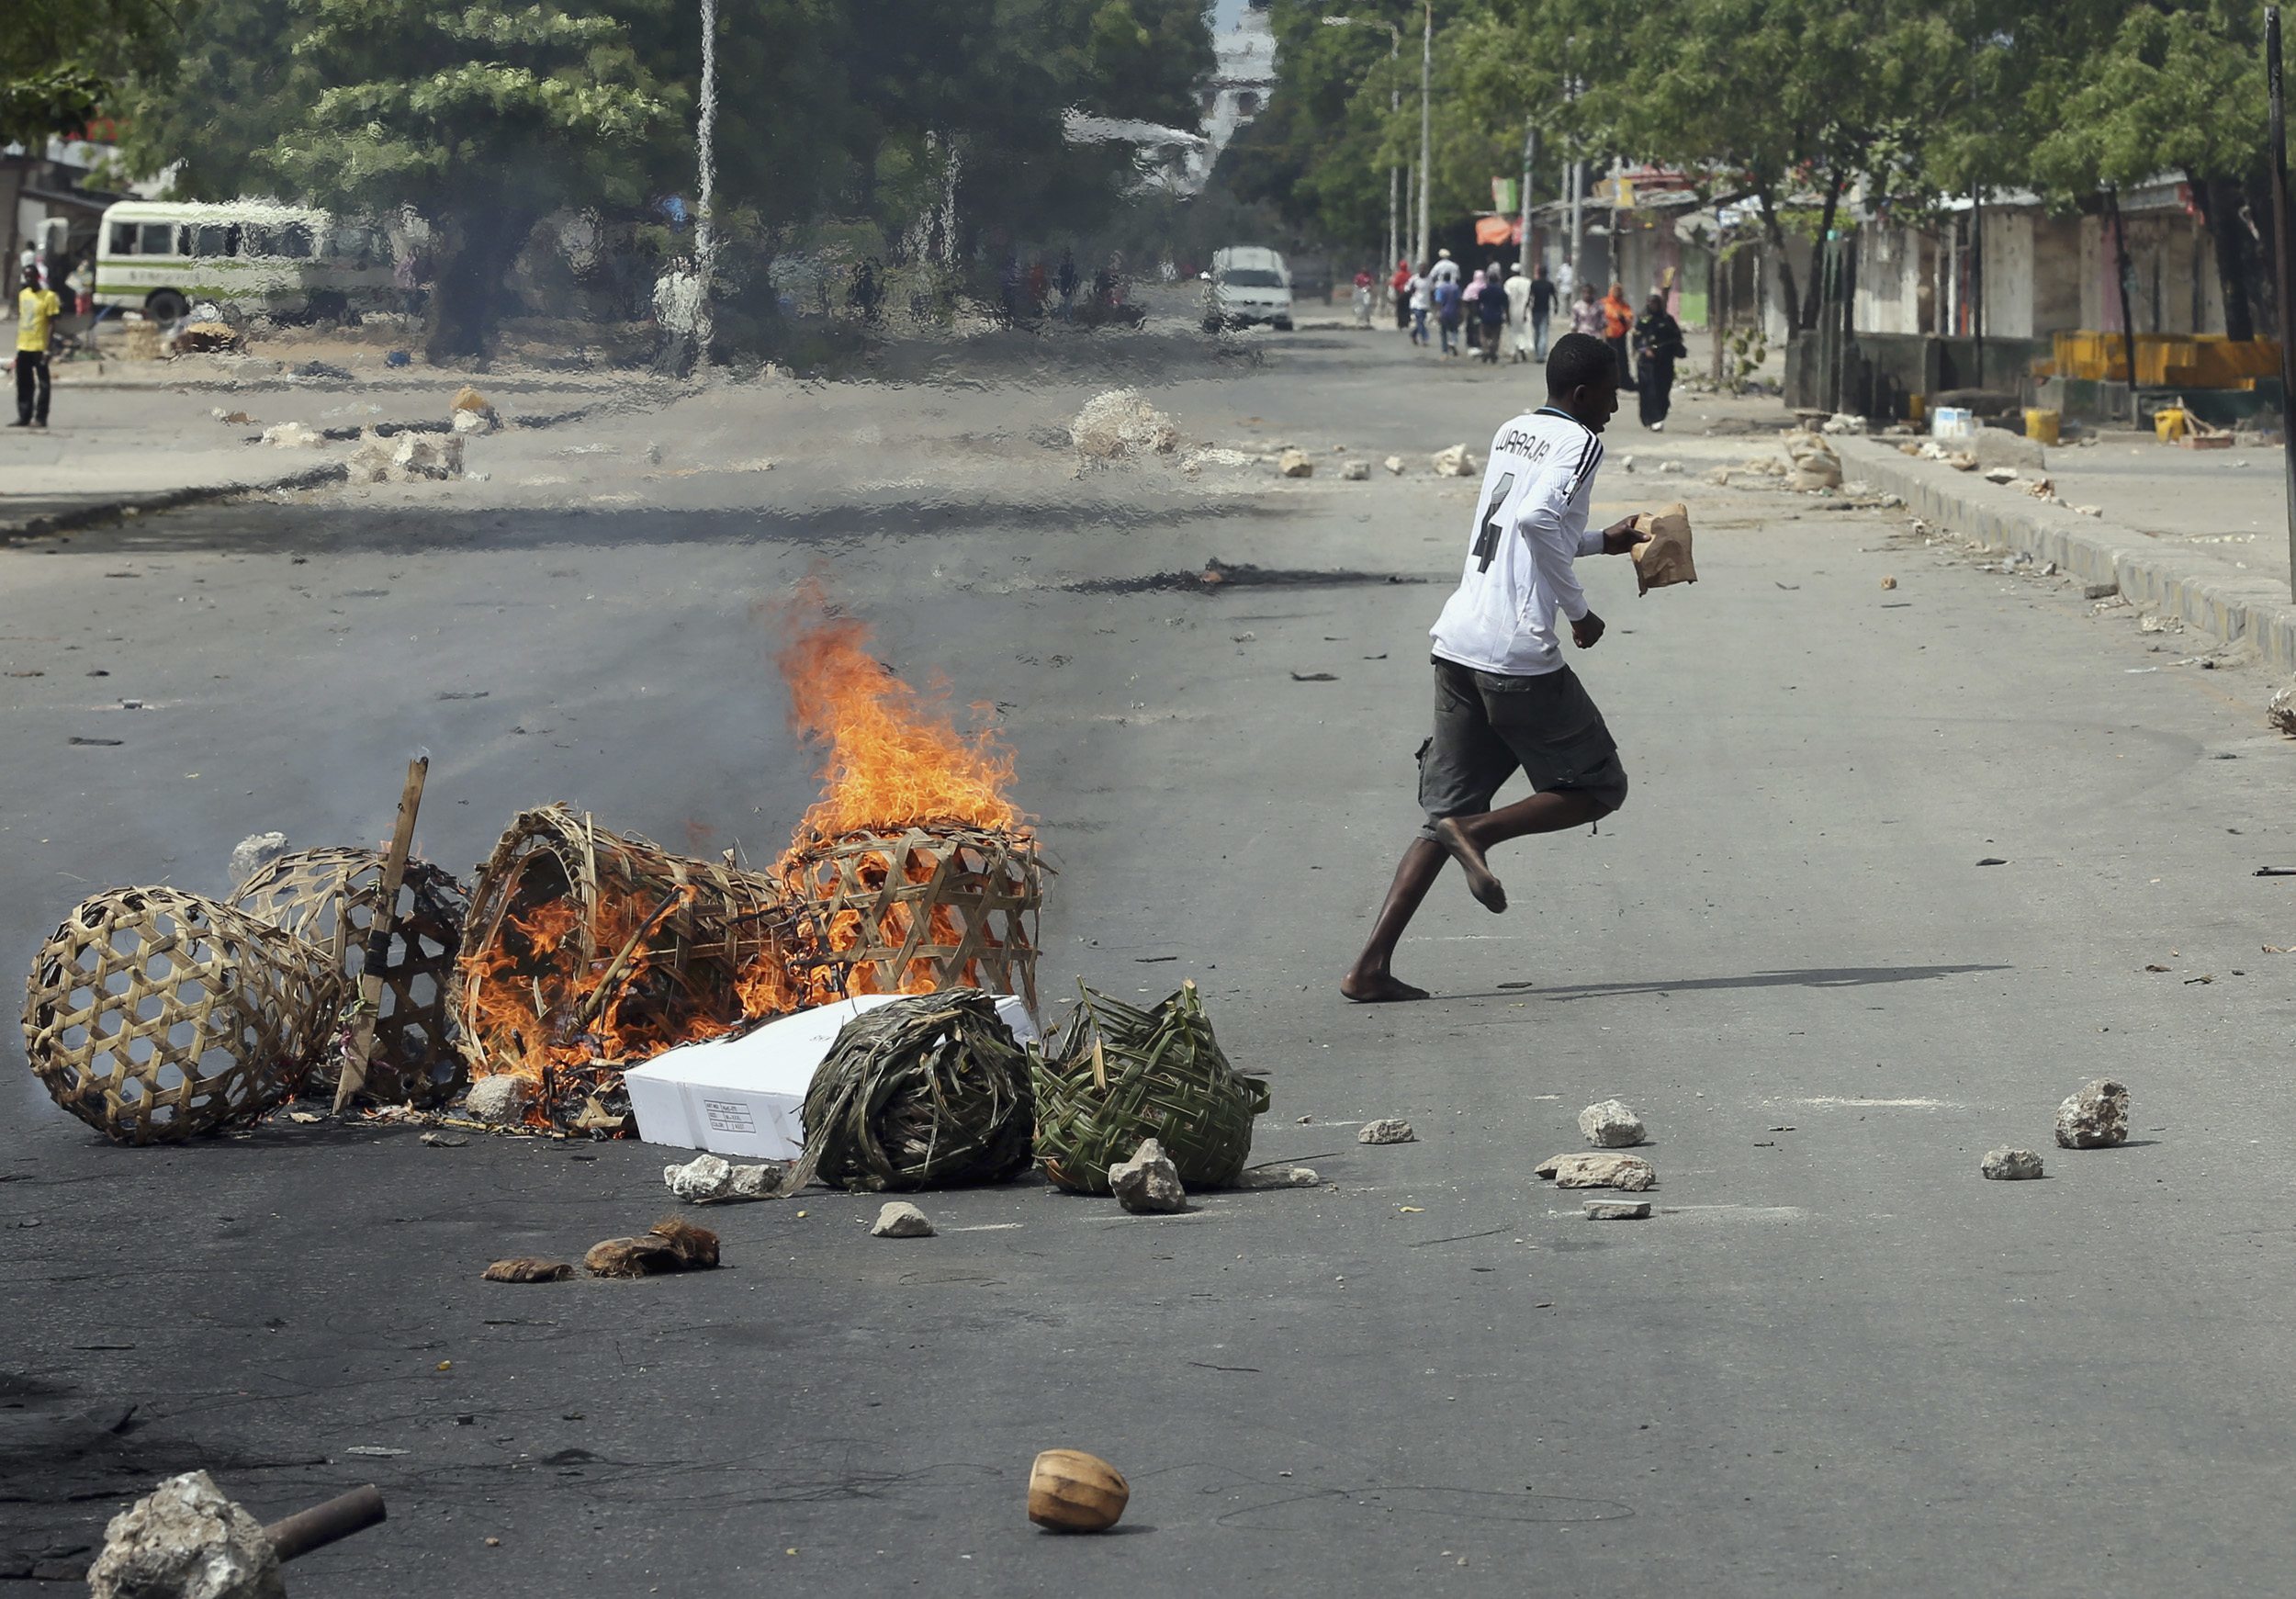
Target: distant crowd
<point x="1442" y="308"/>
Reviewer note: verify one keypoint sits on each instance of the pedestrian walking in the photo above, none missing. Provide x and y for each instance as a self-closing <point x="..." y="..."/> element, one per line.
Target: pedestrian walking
<point x="1543" y="293"/>
<point x="1446" y="294"/>
<point x="1586" y="313"/>
<point x="1470" y="312"/>
<point x="1518" y="312"/>
<point x="1618" y="322"/>
<point x="1363" y="298"/>
<point x="36" y="308"/>
<point x="1657" y="346"/>
<point x="1566" y="281"/>
<point x="1445" y="269"/>
<point x="1504" y="698"/>
<point x="1493" y="310"/>
<point x="1066" y="280"/>
<point x="1420" y="294"/>
<point x="1399" y="289"/>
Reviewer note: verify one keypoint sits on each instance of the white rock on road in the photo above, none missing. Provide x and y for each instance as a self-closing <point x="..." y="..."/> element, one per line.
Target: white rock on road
<point x="1454" y="462"/>
<point x="501" y="1100"/>
<point x="1610" y="1125"/>
<point x="185" y="1538"/>
<point x="254" y="852"/>
<point x="2095" y="1118"/>
<point x="1148" y="1184"/>
<point x="1295" y="464"/>
<point x="899" y="1218"/>
<point x="1579" y="1170"/>
<point x="1387" y="1130"/>
<point x="1618" y="1210"/>
<point x="2011" y="1166"/>
<point x="1394" y="466"/>
<point x="1356" y="472"/>
<point x="1278" y="1176"/>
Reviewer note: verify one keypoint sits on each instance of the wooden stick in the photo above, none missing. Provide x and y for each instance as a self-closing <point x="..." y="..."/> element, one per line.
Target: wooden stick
<point x="594" y="1004"/>
<point x="354" y="1060"/>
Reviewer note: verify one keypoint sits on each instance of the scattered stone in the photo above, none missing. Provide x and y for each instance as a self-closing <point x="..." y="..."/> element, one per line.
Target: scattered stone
<point x="405" y="457"/>
<point x="293" y="435"/>
<point x="2000" y="474"/>
<point x="1295" y="464"/>
<point x="1577" y="1170"/>
<point x="500" y="1099"/>
<point x="1670" y="466"/>
<point x="527" y="1268"/>
<point x="1387" y="1130"/>
<point x="1394" y="465"/>
<point x="1118" y="425"/>
<point x="1278" y="1176"/>
<point x="1149" y="1183"/>
<point x="185" y="1538"/>
<point x="1719" y="476"/>
<point x="254" y="852"/>
<point x="1889" y="582"/>
<point x="1454" y="462"/>
<point x="899" y="1218"/>
<point x="2088" y="511"/>
<point x="2280" y="713"/>
<point x="1618" y="1210"/>
<point x="474" y="422"/>
<point x="1217" y="456"/>
<point x="709" y="1179"/>
<point x="233" y="418"/>
<point x="2100" y="590"/>
<point x="1610" y="1125"/>
<point x="1994" y="447"/>
<point x="1356" y="472"/>
<point x="2095" y="1118"/>
<point x="2011" y="1166"/>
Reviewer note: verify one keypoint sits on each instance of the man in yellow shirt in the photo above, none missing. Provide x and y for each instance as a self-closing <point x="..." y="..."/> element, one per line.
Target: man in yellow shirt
<point x="35" y="307"/>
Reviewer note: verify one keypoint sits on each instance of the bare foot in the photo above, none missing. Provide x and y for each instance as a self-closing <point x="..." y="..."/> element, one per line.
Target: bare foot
<point x="1381" y="989"/>
<point x="1488" y="891"/>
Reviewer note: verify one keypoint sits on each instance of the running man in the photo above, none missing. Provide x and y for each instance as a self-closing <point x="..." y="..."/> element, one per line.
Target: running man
<point x="1504" y="698"/>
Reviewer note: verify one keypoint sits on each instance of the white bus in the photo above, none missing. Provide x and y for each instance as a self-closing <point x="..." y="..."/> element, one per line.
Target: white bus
<point x="248" y="256"/>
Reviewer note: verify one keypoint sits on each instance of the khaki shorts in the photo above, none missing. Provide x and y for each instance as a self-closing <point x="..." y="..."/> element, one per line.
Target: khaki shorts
<point x="1488" y="727"/>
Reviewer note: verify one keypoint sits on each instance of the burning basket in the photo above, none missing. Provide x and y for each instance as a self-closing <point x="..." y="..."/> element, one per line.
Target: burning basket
<point x="154" y="1014"/>
<point x="930" y="908"/>
<point x="587" y="950"/>
<point x="328" y="897"/>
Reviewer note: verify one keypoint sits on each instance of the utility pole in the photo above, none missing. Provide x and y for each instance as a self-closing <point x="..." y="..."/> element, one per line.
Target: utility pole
<point x="1530" y="151"/>
<point x="704" y="229"/>
<point x="2282" y="275"/>
<point x="1426" y="129"/>
<point x="1394" y="173"/>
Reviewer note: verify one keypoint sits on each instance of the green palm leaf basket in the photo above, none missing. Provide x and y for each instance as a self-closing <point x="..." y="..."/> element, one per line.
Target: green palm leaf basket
<point x="1121" y="1075"/>
<point x="916" y="1093"/>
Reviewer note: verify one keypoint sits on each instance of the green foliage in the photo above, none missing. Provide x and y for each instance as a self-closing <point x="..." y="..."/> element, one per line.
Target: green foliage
<point x="62" y="61"/>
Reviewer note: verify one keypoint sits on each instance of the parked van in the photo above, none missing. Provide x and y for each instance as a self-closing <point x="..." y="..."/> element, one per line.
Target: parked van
<point x="249" y="256"/>
<point x="1247" y="284"/>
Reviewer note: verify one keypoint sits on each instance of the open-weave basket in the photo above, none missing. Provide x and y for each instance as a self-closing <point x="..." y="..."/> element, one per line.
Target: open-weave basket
<point x="918" y="1092"/>
<point x="932" y="908"/>
<point x="154" y="1014"/>
<point x="328" y="897"/>
<point x="587" y="950"/>
<point x="1121" y="1075"/>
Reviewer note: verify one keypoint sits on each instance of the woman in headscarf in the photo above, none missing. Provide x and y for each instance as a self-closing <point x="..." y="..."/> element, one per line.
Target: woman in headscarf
<point x="1657" y="344"/>
<point x="1470" y="309"/>
<point x="1618" y="321"/>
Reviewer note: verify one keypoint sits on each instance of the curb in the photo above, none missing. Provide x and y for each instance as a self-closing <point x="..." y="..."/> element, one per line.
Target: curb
<point x="2231" y="608"/>
<point x="98" y="511"/>
<point x="87" y="515"/>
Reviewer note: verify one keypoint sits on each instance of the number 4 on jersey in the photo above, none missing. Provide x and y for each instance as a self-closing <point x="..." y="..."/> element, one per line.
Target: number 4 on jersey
<point x="1487" y="540"/>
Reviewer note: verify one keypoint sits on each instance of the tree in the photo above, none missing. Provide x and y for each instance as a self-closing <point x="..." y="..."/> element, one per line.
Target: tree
<point x="62" y="64"/>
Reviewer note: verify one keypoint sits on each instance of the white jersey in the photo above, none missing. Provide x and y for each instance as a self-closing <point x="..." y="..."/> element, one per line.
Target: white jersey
<point x="1530" y="525"/>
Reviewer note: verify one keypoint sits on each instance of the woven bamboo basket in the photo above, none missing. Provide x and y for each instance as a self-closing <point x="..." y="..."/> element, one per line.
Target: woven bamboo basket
<point x="1121" y="1075"/>
<point x="586" y="951"/>
<point x="328" y="897"/>
<point x="154" y="1014"/>
<point x="927" y="909"/>
<point x="918" y="1093"/>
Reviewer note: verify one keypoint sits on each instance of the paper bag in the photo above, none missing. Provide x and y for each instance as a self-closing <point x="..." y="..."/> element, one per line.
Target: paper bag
<point x="1665" y="557"/>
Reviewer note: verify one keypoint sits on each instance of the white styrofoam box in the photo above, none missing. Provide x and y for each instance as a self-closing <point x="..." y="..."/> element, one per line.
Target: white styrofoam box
<point x="743" y="1096"/>
<point x="1953" y="422"/>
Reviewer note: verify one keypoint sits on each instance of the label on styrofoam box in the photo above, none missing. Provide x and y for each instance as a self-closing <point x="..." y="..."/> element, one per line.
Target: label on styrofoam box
<point x="746" y="1096"/>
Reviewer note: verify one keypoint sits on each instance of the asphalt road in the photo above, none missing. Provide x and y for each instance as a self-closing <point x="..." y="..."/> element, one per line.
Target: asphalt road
<point x="1834" y="1362"/>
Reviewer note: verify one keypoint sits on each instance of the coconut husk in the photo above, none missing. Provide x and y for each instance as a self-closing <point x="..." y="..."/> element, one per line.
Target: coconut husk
<point x="674" y="1244"/>
<point x="526" y="1268"/>
<point x="1122" y="1074"/>
<point x="927" y="1090"/>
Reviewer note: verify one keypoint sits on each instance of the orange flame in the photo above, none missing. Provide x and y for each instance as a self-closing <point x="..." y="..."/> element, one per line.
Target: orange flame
<point x="896" y="756"/>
